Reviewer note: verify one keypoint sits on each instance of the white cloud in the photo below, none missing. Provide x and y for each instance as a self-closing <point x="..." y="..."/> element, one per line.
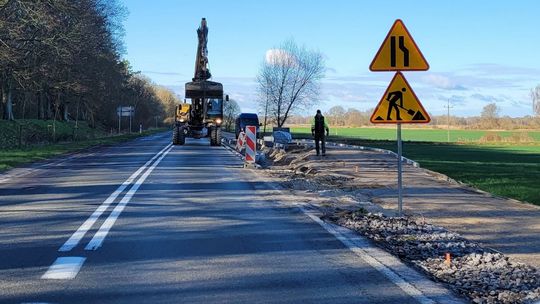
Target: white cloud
<point x="278" y="57"/>
<point x="441" y="82"/>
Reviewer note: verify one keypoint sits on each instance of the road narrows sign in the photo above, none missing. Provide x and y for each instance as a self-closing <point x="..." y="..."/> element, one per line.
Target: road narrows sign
<point x="399" y="52"/>
<point x="399" y="104"/>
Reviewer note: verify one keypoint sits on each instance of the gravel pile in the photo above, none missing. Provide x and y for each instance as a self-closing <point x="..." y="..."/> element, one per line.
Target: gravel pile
<point x="481" y="274"/>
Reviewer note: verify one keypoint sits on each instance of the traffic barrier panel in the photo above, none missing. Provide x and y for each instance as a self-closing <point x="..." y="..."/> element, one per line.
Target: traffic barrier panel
<point x="241" y="141"/>
<point x="251" y="144"/>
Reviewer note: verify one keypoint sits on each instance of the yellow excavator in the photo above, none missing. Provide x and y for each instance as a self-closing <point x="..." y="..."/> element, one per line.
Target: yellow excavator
<point x="202" y="117"/>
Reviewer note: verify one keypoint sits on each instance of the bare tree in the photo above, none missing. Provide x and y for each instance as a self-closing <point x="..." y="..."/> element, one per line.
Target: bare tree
<point x="289" y="80"/>
<point x="231" y="110"/>
<point x="489" y="115"/>
<point x="535" y="96"/>
<point x="336" y="115"/>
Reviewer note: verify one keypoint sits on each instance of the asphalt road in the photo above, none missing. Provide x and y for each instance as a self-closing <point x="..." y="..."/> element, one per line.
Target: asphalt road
<point x="189" y="228"/>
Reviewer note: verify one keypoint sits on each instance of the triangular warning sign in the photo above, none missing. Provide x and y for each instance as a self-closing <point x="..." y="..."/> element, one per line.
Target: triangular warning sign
<point x="399" y="104"/>
<point x="399" y="52"/>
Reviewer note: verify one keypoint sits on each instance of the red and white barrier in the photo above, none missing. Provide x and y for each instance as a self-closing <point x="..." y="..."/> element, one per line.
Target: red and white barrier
<point x="241" y="141"/>
<point x="251" y="144"/>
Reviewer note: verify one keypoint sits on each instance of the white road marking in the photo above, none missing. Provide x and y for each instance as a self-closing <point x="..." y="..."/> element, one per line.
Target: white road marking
<point x="100" y="236"/>
<point x="77" y="236"/>
<point x="391" y="275"/>
<point x="64" y="268"/>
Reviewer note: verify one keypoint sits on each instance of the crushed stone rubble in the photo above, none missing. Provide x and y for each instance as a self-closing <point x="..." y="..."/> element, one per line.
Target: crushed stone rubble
<point x="482" y="275"/>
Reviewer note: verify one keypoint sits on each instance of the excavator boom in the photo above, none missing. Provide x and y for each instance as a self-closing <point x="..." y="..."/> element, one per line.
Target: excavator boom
<point x="201" y="61"/>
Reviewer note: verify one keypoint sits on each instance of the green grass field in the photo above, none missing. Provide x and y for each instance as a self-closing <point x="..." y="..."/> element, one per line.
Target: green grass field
<point x="430" y="135"/>
<point x="505" y="169"/>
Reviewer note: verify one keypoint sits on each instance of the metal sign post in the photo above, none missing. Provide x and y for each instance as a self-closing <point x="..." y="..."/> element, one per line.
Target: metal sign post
<point x="400" y="172"/>
<point x="399" y="104"/>
<point x="119" y="120"/>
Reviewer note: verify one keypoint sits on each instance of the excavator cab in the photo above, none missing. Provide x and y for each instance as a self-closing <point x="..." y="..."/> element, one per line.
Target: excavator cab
<point x="182" y="112"/>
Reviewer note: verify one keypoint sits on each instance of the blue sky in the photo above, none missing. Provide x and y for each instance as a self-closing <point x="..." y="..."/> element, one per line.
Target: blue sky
<point x="479" y="51"/>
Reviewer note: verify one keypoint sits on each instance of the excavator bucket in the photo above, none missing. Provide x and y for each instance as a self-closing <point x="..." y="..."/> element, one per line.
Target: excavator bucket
<point x="204" y="89"/>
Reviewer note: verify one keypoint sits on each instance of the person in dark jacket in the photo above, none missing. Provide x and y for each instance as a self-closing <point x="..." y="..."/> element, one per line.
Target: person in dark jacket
<point x="318" y="126"/>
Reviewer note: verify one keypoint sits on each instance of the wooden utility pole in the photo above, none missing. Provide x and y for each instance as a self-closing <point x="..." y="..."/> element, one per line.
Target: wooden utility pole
<point x="448" y="118"/>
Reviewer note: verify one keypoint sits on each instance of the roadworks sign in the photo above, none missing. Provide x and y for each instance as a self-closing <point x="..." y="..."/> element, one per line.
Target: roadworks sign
<point x="399" y="104"/>
<point x="399" y="52"/>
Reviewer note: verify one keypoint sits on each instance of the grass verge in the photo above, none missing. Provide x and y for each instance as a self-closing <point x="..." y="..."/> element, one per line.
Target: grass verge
<point x="10" y="158"/>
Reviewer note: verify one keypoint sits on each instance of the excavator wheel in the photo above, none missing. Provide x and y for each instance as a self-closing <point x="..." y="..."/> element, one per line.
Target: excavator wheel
<point x="175" y="136"/>
<point x="215" y="136"/>
<point x="181" y="136"/>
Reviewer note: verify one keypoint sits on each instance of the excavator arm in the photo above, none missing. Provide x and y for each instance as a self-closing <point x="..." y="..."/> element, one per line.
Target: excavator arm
<point x="201" y="87"/>
<point x="201" y="61"/>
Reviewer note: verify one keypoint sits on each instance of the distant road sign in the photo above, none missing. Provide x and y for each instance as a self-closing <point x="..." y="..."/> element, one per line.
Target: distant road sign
<point x="399" y="104"/>
<point x="125" y="111"/>
<point x="399" y="52"/>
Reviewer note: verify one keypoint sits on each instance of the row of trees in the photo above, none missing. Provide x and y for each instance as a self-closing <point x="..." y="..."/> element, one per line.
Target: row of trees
<point x="61" y="59"/>
<point x="489" y="119"/>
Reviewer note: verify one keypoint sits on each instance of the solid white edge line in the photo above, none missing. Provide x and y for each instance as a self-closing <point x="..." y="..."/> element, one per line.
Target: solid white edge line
<point x="100" y="236"/>
<point x="77" y="236"/>
<point x="64" y="268"/>
<point x="391" y="275"/>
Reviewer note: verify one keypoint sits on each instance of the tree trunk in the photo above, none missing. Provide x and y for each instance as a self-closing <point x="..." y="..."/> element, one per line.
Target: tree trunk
<point x="66" y="112"/>
<point x="2" y="92"/>
<point x="77" y="115"/>
<point x="48" y="113"/>
<point x="41" y="105"/>
<point x="26" y="98"/>
<point x="9" y="102"/>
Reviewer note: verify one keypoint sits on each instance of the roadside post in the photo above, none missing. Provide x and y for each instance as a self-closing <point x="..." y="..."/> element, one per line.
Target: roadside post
<point x="251" y="145"/>
<point x="119" y="114"/>
<point x="399" y="104"/>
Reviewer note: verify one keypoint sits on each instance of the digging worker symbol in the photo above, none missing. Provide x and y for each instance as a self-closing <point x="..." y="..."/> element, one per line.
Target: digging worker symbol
<point x="393" y="98"/>
<point x="318" y="126"/>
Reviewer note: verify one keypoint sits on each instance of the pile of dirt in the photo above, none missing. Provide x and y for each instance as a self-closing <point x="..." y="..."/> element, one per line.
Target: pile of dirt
<point x="278" y="157"/>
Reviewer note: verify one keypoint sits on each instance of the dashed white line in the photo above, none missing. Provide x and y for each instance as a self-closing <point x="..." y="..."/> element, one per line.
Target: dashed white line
<point x="64" y="268"/>
<point x="100" y="236"/>
<point x="77" y="236"/>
